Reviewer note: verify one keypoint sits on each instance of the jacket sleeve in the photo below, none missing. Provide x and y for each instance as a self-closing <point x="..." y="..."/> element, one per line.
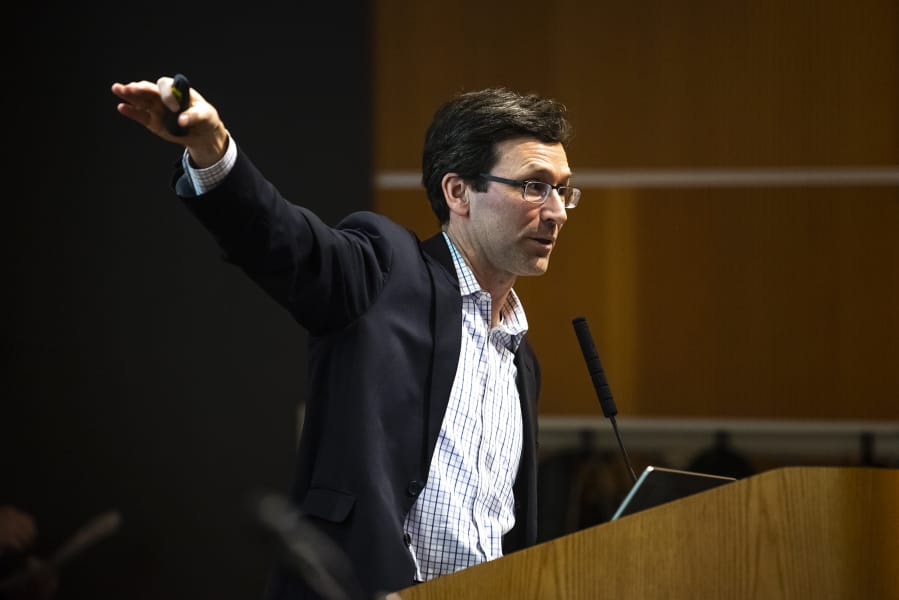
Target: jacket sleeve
<point x="325" y="277"/>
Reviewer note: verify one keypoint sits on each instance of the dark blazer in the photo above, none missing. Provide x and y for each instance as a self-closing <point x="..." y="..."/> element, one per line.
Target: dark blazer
<point x="384" y="315"/>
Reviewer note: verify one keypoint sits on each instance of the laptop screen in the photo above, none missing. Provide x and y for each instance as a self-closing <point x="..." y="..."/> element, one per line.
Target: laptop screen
<point x="658" y="485"/>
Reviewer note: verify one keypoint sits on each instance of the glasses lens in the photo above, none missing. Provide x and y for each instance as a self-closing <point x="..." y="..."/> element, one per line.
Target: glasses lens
<point x="572" y="197"/>
<point x="536" y="191"/>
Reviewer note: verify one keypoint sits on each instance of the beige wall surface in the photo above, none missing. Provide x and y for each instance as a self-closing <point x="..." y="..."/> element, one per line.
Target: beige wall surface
<point x="736" y="297"/>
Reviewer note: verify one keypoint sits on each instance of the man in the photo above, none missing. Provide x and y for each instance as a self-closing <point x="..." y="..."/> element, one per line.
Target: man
<point x="418" y="451"/>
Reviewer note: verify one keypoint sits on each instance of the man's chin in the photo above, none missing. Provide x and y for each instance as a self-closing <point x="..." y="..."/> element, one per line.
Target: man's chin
<point x="536" y="267"/>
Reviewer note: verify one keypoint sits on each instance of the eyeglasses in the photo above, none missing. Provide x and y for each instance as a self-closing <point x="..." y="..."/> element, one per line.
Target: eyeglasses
<point x="537" y="192"/>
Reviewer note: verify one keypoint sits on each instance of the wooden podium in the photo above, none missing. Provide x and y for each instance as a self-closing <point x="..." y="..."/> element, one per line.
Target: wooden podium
<point x="813" y="533"/>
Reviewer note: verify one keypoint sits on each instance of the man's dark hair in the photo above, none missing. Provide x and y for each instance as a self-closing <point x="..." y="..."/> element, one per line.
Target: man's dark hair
<point x="463" y="136"/>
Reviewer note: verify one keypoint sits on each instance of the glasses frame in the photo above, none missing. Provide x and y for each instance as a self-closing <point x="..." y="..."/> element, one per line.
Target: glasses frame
<point x="570" y="202"/>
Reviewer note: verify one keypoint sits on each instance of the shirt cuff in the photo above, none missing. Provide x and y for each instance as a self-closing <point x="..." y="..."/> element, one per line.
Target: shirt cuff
<point x="204" y="180"/>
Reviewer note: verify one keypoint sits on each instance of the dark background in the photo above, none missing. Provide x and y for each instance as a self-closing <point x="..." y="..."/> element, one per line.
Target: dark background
<point x="141" y="372"/>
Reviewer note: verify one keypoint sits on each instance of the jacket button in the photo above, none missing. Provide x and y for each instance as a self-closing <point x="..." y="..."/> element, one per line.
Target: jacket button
<point x="414" y="488"/>
<point x="407" y="539"/>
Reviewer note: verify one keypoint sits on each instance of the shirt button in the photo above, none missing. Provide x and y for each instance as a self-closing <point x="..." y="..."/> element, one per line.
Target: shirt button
<point x="407" y="539"/>
<point x="414" y="488"/>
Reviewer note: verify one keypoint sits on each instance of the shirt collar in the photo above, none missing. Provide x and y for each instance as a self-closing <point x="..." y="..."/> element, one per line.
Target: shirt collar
<point x="513" y="320"/>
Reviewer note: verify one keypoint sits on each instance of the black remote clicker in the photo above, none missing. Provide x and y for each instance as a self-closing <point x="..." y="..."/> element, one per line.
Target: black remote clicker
<point x="181" y="90"/>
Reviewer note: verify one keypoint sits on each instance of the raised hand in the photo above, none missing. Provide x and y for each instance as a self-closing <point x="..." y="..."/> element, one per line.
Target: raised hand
<point x="145" y="102"/>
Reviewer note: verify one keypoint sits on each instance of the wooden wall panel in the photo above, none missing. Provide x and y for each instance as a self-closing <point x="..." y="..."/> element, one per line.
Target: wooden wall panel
<point x="654" y="84"/>
<point x="745" y="301"/>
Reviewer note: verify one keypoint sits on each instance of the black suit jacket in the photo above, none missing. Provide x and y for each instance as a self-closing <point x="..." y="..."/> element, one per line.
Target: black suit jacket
<point x="384" y="315"/>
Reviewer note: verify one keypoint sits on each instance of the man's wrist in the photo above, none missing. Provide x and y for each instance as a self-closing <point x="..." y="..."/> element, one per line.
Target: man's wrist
<point x="205" y="179"/>
<point x="210" y="151"/>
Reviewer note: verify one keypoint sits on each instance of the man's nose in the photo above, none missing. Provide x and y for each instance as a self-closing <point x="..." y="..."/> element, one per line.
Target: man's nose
<point x="554" y="208"/>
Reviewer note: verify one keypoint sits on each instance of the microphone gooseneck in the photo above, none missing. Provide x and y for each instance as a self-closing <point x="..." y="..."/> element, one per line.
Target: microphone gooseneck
<point x="600" y="384"/>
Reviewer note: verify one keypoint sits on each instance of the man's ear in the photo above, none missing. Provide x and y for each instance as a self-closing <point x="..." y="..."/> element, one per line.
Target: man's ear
<point x="455" y="191"/>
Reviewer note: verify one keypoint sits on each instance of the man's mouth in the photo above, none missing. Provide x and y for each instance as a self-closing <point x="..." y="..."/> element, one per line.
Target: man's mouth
<point x="543" y="245"/>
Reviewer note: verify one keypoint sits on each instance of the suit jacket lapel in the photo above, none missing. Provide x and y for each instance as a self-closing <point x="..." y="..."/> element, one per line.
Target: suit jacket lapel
<point x="447" y="330"/>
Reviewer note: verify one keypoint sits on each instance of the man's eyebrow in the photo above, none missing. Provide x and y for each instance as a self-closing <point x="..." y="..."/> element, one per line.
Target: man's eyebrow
<point x="543" y="173"/>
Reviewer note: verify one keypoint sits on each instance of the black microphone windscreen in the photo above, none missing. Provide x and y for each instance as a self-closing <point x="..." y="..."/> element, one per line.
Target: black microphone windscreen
<point x="594" y="367"/>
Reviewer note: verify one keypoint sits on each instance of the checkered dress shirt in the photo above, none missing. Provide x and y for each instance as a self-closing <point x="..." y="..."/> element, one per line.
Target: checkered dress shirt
<point x="461" y="515"/>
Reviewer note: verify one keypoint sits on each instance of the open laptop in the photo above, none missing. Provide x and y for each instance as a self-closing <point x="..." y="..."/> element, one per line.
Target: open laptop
<point x="658" y="485"/>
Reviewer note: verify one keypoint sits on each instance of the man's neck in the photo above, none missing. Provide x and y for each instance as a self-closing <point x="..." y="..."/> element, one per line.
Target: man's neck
<point x="498" y="286"/>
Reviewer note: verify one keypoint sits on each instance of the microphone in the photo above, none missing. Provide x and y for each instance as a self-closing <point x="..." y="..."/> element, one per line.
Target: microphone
<point x="307" y="551"/>
<point x="101" y="526"/>
<point x="600" y="384"/>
